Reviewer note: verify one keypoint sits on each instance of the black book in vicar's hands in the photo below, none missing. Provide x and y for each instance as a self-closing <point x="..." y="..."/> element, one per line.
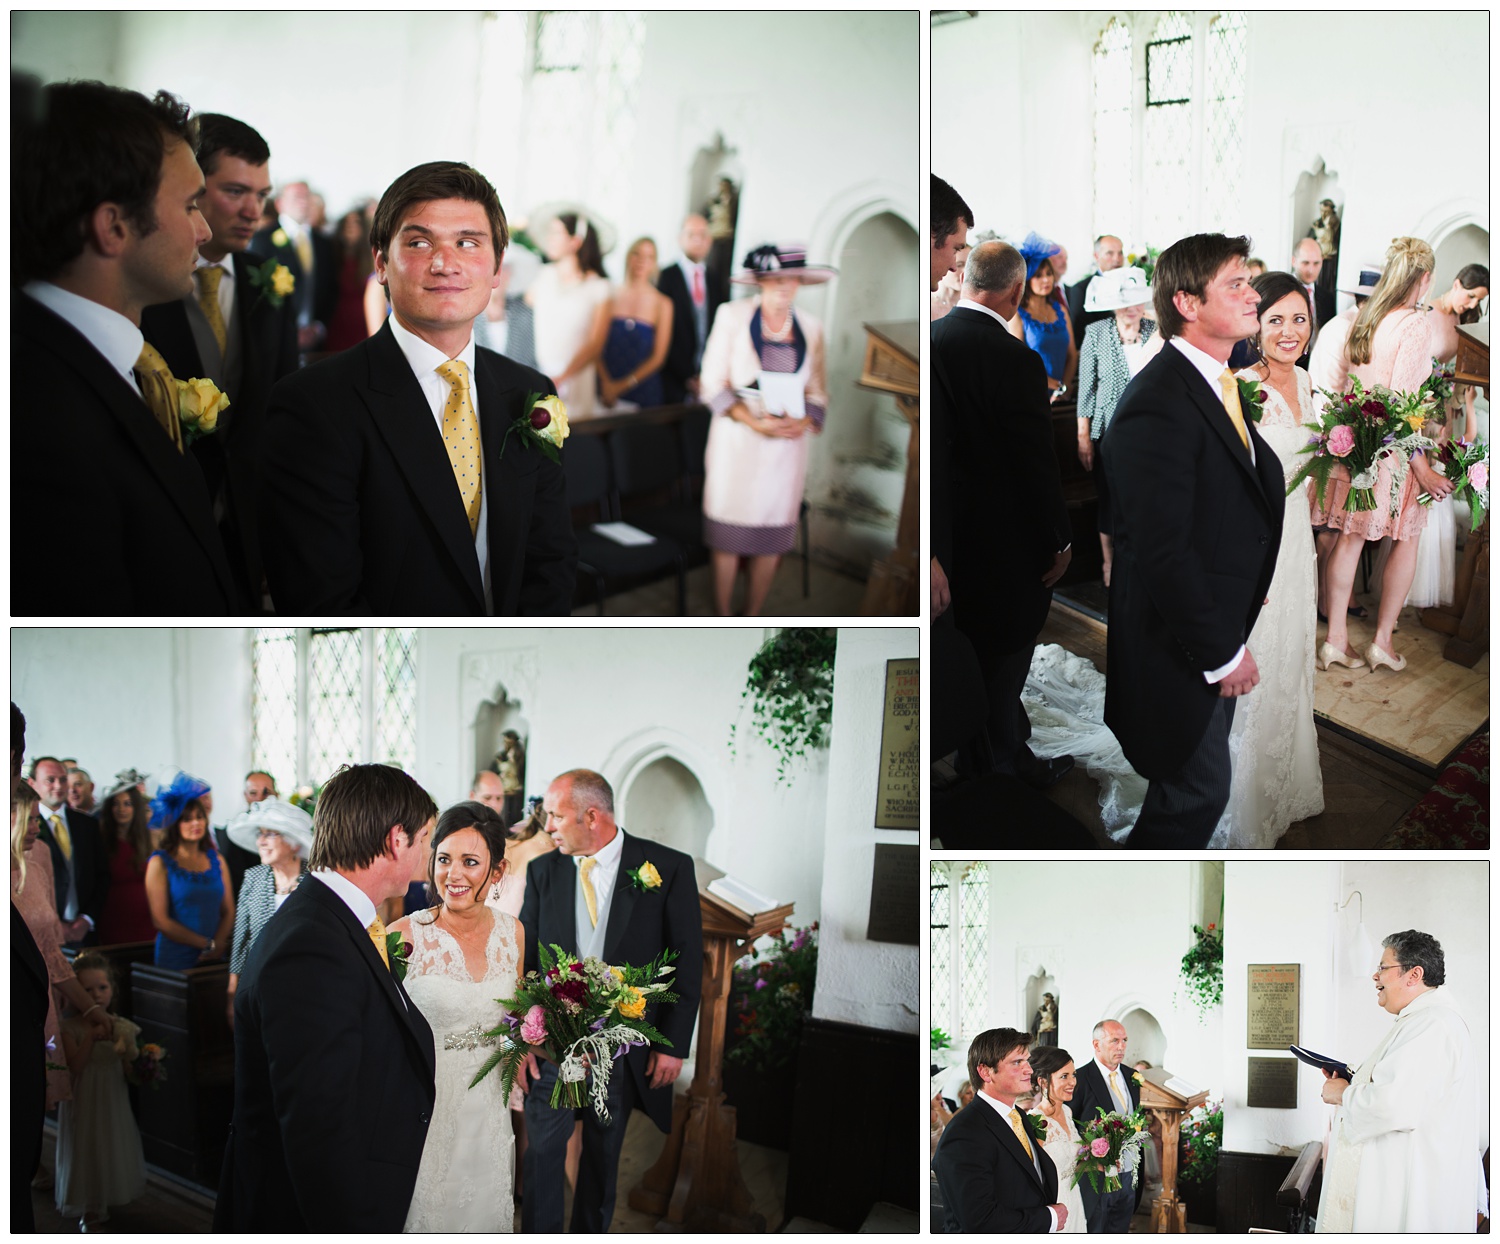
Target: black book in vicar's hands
<point x="1331" y="1065"/>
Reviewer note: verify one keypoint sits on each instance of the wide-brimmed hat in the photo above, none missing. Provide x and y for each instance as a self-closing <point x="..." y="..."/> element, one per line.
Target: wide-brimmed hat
<point x="541" y="220"/>
<point x="782" y="259"/>
<point x="1364" y="284"/>
<point x="125" y="779"/>
<point x="292" y="823"/>
<point x="523" y="265"/>
<point x="1117" y="289"/>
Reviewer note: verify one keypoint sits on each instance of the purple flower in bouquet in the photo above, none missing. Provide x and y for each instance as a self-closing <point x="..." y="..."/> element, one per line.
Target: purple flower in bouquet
<point x="534" y="1026"/>
<point x="1341" y="441"/>
<point x="1479" y="476"/>
<point x="1099" y="1147"/>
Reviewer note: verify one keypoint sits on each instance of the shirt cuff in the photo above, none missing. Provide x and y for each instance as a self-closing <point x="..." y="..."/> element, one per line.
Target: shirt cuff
<point x="1052" y="1213"/>
<point x="1223" y="672"/>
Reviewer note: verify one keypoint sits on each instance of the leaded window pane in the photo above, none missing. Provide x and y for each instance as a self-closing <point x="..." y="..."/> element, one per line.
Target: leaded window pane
<point x="335" y="722"/>
<point x="941" y="942"/>
<point x="1168" y="163"/>
<point x="975" y="916"/>
<point x="273" y="704"/>
<point x="396" y="696"/>
<point x="1113" y="190"/>
<point x="1224" y="89"/>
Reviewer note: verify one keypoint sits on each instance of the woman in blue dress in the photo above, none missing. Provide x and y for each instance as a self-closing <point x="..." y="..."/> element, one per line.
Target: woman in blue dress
<point x="187" y="883"/>
<point x="1042" y="320"/>
<point x="640" y="333"/>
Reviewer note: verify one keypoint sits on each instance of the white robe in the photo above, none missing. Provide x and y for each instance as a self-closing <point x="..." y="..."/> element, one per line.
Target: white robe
<point x="1405" y="1150"/>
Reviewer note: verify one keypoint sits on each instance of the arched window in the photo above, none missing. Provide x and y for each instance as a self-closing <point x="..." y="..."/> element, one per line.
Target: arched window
<point x="940" y="900"/>
<point x="1113" y="167"/>
<point x="1169" y="165"/>
<point x="975" y="909"/>
<point x="959" y="898"/>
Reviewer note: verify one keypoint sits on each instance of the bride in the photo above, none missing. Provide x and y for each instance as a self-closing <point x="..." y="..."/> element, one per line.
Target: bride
<point x="462" y="956"/>
<point x="1052" y="1081"/>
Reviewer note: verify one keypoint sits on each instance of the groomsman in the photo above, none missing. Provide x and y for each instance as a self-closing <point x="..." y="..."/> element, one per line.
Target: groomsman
<point x="393" y="480"/>
<point x="1104" y="1084"/>
<point x="695" y="297"/>
<point x="104" y="223"/>
<point x="233" y="328"/>
<point x="309" y="254"/>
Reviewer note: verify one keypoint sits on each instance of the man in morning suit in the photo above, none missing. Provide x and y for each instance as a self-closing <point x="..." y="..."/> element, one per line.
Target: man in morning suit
<point x="232" y="330"/>
<point x="310" y="256"/>
<point x="695" y="297"/>
<point x="392" y="478"/>
<point x="951" y="221"/>
<point x="333" y="1064"/>
<point x="104" y="223"/>
<point x="1104" y="1084"/>
<point x="1109" y="254"/>
<point x="1198" y="510"/>
<point x="1307" y="264"/>
<point x="993" y="1173"/>
<point x="80" y="872"/>
<point x="1011" y="535"/>
<point x="594" y="896"/>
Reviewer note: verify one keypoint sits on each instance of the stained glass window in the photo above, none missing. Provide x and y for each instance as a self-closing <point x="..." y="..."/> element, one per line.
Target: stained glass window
<point x="1112" y="129"/>
<point x="1223" y="130"/>
<point x="329" y="696"/>
<point x="974" y="978"/>
<point x="939" y="897"/>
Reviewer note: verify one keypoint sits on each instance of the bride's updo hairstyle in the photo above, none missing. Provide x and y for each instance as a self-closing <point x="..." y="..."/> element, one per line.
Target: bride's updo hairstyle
<point x="1046" y="1062"/>
<point x="484" y="821"/>
<point x="1406" y="262"/>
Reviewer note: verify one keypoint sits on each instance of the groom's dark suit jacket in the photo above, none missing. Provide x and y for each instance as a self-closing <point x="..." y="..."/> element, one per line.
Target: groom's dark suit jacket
<point x="642" y="924"/>
<point x="1009" y="519"/>
<point x="1197" y="528"/>
<point x="267" y="350"/>
<point x="359" y="511"/>
<point x="93" y="474"/>
<point x="333" y="1080"/>
<point x="987" y="1181"/>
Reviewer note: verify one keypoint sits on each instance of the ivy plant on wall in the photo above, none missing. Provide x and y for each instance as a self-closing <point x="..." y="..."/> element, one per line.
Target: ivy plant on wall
<point x="1203" y="969"/>
<point x="790" y="689"/>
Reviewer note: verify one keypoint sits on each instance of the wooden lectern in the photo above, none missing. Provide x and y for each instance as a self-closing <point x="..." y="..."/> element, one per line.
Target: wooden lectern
<point x="696" y="1184"/>
<point x="1168" y="1214"/>
<point x="1467" y="619"/>
<point x="891" y="367"/>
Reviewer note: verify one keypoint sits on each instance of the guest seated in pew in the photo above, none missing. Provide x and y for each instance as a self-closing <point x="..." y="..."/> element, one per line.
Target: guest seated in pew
<point x="281" y="834"/>
<point x="640" y="332"/>
<point x="187" y="881"/>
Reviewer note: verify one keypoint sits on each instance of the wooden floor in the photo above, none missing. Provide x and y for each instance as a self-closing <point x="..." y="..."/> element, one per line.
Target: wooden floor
<point x="830" y="595"/>
<point x="1366" y="791"/>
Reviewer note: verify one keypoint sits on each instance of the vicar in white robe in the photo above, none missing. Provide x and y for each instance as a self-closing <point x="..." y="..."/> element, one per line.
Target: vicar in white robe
<point x="1405" y="1150"/>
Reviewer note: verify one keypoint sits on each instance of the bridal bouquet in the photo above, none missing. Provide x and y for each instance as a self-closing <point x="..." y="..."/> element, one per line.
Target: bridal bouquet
<point x="1107" y="1141"/>
<point x="1360" y="428"/>
<point x="581" y="1014"/>
<point x="1468" y="466"/>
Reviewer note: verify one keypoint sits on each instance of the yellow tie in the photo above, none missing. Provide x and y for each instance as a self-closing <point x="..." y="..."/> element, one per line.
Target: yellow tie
<point x="159" y="390"/>
<point x="1015" y="1126"/>
<point x="1231" y="393"/>
<point x="377" y="935"/>
<point x="1114" y="1087"/>
<point x="303" y="247"/>
<point x="208" y="299"/>
<point x="461" y="438"/>
<point x="588" y="864"/>
<point x="60" y="836"/>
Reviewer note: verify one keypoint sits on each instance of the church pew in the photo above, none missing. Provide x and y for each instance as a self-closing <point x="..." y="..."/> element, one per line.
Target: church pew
<point x="122" y="956"/>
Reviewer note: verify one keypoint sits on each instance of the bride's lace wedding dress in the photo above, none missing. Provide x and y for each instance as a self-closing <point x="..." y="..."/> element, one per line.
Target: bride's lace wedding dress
<point x="464" y="1183"/>
<point x="1062" y="1147"/>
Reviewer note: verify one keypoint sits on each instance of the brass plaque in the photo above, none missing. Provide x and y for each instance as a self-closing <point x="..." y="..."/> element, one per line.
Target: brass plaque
<point x="1273" y="1083"/>
<point x="898" y="791"/>
<point x="1275" y="1001"/>
<point x="896" y="894"/>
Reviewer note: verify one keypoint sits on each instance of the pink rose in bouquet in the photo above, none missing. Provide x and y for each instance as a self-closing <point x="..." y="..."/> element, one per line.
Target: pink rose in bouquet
<point x="1100" y="1147"/>
<point x="534" y="1026"/>
<point x="1341" y="441"/>
<point x="1479" y="476"/>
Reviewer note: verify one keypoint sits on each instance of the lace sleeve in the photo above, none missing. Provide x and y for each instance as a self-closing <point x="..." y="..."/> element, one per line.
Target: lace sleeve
<point x="1413" y="361"/>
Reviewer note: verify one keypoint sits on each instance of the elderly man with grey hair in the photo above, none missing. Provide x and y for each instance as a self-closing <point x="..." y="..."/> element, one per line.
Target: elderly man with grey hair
<point x="1011" y="536"/>
<point x="1407" y="1141"/>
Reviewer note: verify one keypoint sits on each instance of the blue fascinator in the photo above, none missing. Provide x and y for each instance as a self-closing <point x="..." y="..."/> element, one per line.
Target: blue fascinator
<point x="1035" y="249"/>
<point x="168" y="802"/>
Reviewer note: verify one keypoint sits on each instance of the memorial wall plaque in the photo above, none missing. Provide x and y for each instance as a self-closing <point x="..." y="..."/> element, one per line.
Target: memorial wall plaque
<point x="1274" y="1005"/>
<point x="896" y="896"/>
<point x="1273" y="1083"/>
<point x="898" y="788"/>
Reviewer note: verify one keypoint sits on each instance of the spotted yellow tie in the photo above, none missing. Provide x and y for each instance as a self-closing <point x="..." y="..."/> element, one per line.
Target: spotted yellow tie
<point x="1231" y="392"/>
<point x="376" y="931"/>
<point x="1015" y="1126"/>
<point x="461" y="438"/>
<point x="208" y="299"/>
<point x="61" y="836"/>
<point x="585" y="867"/>
<point x="159" y="390"/>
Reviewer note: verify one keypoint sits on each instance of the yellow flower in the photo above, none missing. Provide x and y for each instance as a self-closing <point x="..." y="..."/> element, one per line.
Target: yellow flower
<point x="635" y="1008"/>
<point x="1415" y="420"/>
<point x="199" y="403"/>
<point x="282" y="280"/>
<point x="650" y="878"/>
<point x="279" y="238"/>
<point x="555" y="429"/>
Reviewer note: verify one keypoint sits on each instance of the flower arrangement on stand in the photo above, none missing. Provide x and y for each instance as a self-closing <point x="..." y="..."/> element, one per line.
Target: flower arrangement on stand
<point x="773" y="995"/>
<point x="1360" y="429"/>
<point x="1203" y="968"/>
<point x="1106" y="1141"/>
<point x="1199" y="1140"/>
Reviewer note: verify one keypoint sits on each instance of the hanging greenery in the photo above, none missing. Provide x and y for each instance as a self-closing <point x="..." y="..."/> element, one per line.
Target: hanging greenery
<point x="790" y="687"/>
<point x="1203" y="969"/>
<point x="941" y="1040"/>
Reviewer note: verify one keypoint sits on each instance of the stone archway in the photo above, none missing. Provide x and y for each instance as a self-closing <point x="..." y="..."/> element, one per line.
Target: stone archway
<point x="665" y="801"/>
<point x="1147" y="1040"/>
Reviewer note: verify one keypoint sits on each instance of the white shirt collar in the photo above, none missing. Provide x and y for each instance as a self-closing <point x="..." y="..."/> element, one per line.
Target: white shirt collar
<point x="979" y="306"/>
<point x="1205" y="364"/>
<point x="227" y="263"/>
<point x="109" y="332"/>
<point x="608" y="856"/>
<point x="1120" y="1070"/>
<point x="355" y="899"/>
<point x="997" y="1105"/>
<point x="424" y="357"/>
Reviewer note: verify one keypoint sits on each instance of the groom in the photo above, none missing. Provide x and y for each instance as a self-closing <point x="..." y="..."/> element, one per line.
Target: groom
<point x="1104" y="1085"/>
<point x="392" y="478"/>
<point x="596" y="896"/>
<point x="1198" y="503"/>
<point x="333" y="1065"/>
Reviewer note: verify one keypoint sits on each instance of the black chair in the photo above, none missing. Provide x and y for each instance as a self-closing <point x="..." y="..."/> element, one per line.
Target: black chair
<point x="605" y="561"/>
<point x="652" y="488"/>
<point x="692" y="434"/>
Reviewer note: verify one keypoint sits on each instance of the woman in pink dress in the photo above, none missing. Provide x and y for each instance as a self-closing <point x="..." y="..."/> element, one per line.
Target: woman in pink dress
<point x="1388" y="345"/>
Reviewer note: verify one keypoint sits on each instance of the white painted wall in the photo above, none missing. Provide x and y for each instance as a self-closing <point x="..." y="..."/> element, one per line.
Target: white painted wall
<point x="1012" y="132"/>
<point x="874" y="984"/>
<point x="1286" y="913"/>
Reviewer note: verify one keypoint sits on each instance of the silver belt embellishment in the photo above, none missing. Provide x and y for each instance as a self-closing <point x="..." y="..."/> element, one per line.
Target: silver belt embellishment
<point x="470" y="1039"/>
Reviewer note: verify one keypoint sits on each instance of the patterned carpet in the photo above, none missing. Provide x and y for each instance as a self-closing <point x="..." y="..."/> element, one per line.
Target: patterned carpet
<point x="1455" y="814"/>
